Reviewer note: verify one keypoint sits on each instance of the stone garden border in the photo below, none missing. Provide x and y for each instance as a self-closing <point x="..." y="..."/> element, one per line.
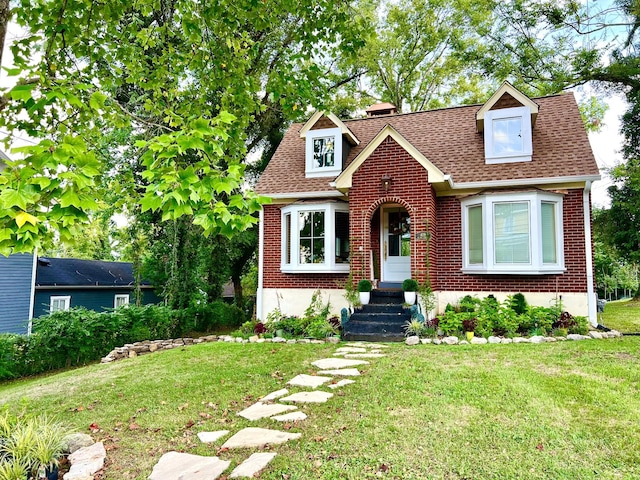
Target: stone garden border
<point x="131" y="350"/>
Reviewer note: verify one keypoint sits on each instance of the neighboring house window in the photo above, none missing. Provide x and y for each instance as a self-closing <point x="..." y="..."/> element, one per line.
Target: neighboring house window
<point x="120" y="300"/>
<point x="513" y="234"/>
<point x="507" y="135"/>
<point x="315" y="238"/>
<point x="323" y="152"/>
<point x="59" y="303"/>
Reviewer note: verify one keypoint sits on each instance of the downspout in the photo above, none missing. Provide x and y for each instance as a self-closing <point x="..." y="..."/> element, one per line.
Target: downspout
<point x="32" y="299"/>
<point x="259" y="307"/>
<point x="591" y="295"/>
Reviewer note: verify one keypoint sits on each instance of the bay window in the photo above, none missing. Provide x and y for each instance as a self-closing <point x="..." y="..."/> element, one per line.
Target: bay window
<point x="513" y="234"/>
<point x="315" y="238"/>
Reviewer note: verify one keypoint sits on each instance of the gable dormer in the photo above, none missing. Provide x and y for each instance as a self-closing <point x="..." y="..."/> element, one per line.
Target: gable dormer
<point x="328" y="141"/>
<point x="507" y="121"/>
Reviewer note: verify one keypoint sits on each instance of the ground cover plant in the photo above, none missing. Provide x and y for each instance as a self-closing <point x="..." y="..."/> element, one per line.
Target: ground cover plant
<point x="558" y="410"/>
<point x="622" y="315"/>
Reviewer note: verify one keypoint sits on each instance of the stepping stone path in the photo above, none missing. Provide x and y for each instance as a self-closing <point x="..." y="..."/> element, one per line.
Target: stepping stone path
<point x="184" y="466"/>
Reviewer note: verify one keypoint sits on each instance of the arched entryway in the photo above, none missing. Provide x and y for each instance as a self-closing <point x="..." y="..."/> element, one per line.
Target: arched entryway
<point x="395" y="243"/>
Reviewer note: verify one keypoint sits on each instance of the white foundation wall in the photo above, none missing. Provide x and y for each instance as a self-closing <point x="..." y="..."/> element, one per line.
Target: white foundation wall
<point x="574" y="303"/>
<point x="294" y="301"/>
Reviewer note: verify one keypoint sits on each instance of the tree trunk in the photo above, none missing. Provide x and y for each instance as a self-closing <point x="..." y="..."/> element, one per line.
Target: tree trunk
<point x="5" y="15"/>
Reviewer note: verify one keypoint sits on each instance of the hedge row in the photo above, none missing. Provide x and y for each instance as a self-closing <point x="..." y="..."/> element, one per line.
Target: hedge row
<point x="78" y="336"/>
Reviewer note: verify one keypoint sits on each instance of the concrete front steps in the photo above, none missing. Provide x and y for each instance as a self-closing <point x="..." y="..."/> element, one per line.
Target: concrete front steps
<point x="382" y="320"/>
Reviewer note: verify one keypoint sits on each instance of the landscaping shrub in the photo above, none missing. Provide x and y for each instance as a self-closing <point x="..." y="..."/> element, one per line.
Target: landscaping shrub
<point x="451" y="322"/>
<point x="210" y="316"/>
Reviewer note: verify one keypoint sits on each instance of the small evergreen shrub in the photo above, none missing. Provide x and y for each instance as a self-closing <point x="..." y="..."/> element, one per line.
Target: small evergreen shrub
<point x="365" y="285"/>
<point x="410" y="285"/>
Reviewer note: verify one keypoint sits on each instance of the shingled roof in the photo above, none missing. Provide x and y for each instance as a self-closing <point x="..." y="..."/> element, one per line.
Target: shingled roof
<point x="449" y="139"/>
<point x="73" y="272"/>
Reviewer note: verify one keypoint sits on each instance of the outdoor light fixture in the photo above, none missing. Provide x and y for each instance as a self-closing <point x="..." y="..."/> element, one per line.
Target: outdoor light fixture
<point x="385" y="181"/>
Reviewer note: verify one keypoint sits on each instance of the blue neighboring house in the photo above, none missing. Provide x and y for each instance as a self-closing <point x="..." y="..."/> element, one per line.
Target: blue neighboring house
<point x="31" y="287"/>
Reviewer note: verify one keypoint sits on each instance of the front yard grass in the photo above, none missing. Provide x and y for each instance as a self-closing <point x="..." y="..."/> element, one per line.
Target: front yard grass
<point x="622" y="315"/>
<point x="562" y="410"/>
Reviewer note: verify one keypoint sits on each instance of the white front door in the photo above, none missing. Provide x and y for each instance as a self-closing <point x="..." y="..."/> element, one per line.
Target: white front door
<point x="396" y="245"/>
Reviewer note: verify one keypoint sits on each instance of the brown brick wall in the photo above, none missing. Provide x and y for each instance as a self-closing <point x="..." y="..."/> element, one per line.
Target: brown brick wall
<point x="409" y="188"/>
<point x="449" y="255"/>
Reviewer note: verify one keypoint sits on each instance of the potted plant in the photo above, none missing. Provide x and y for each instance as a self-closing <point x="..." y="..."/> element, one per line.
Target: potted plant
<point x="469" y="325"/>
<point x="410" y="287"/>
<point x="364" y="289"/>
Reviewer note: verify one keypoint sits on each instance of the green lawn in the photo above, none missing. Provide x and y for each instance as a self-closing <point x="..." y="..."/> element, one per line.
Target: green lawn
<point x="563" y="410"/>
<point x="622" y="315"/>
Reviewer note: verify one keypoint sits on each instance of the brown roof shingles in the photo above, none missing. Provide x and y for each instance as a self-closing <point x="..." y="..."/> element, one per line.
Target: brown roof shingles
<point x="448" y="138"/>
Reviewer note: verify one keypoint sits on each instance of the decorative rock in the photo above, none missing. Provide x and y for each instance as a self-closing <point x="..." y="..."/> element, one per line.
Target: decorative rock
<point x="261" y="340"/>
<point x="86" y="461"/>
<point x="575" y="337"/>
<point x="615" y="333"/>
<point x="333" y="339"/>
<point x="478" y="341"/>
<point x="290" y="417"/>
<point x="133" y="354"/>
<point x="451" y="340"/>
<point x="345" y="372"/>
<point x="262" y="410"/>
<point x="153" y="347"/>
<point x="341" y="383"/>
<point x="329" y="363"/>
<point x="76" y="441"/>
<point x="304" y="380"/>
<point x="316" y="342"/>
<point x="537" y="339"/>
<point x="596" y="335"/>
<point x="521" y="340"/>
<point x="550" y="339"/>
<point x="279" y="340"/>
<point x="308" y="397"/>
<point x="291" y="342"/>
<point x="252" y="465"/>
<point x="188" y="466"/>
<point x="425" y="341"/>
<point x="412" y="340"/>
<point x="463" y="342"/>
<point x="254" y="338"/>
<point x="493" y="339"/>
<point x="210" y="437"/>
<point x="257" y="437"/>
<point x="437" y="341"/>
<point x="507" y="340"/>
<point x="275" y="395"/>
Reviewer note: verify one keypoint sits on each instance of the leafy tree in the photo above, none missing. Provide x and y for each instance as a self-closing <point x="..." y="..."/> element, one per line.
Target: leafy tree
<point x="184" y="77"/>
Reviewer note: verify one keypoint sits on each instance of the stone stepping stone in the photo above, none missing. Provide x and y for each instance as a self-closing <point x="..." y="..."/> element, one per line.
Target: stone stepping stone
<point x="331" y="363"/>
<point x="290" y="417"/>
<point x="341" y="383"/>
<point x="210" y="437"/>
<point x="364" y="355"/>
<point x="344" y="372"/>
<point x="188" y="466"/>
<point x="274" y="395"/>
<point x="308" y="397"/>
<point x="256" y="437"/>
<point x="252" y="465"/>
<point x="261" y="410"/>
<point x="312" y="381"/>
<point x="351" y="350"/>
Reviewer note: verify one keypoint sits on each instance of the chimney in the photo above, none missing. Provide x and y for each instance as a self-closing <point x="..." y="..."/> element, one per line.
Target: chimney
<point x="380" y="109"/>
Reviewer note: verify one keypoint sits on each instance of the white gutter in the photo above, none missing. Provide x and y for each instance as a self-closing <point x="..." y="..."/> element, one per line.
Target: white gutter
<point x="260" y="265"/>
<point x="32" y="299"/>
<point x="329" y="193"/>
<point x="520" y="182"/>
<point x="591" y="296"/>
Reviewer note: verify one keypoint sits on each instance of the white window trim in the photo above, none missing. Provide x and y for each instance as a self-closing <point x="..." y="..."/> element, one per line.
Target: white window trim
<point x="120" y="296"/>
<point x="536" y="265"/>
<point x="527" y="145"/>
<point x="65" y="298"/>
<point x="312" y="171"/>
<point x="330" y="265"/>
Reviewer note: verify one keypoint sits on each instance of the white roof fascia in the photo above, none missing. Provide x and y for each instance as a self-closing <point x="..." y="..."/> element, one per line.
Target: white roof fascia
<point x="521" y="182"/>
<point x="339" y="123"/>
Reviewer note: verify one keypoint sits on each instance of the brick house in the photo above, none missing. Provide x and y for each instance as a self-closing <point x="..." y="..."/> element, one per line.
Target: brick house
<point x="496" y="196"/>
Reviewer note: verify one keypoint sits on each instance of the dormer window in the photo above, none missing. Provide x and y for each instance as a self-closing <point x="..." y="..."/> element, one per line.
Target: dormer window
<point x="507" y="135"/>
<point x="324" y="152"/>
